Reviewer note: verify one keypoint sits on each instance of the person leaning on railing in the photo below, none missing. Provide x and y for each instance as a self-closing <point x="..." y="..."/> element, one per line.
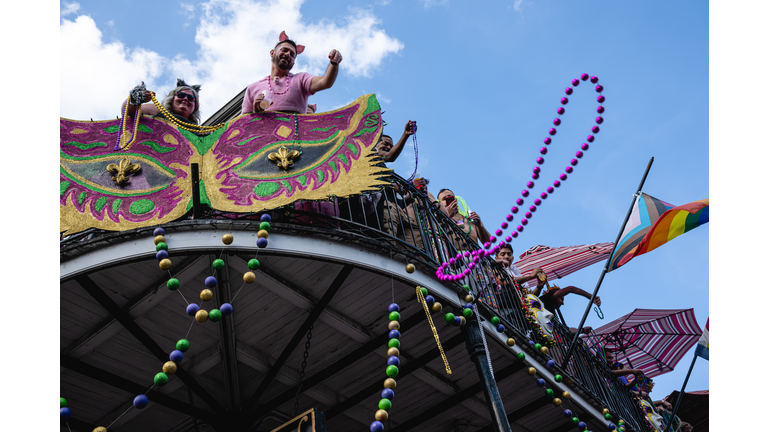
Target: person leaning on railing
<point x="505" y="256"/>
<point x="368" y="209"/>
<point x="472" y="225"/>
<point x="619" y="371"/>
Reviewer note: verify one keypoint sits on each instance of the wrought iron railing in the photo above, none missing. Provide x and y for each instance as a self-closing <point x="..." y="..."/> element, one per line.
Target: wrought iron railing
<point x="404" y="219"/>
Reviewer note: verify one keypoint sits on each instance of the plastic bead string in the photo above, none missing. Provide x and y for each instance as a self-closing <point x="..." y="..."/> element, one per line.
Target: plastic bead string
<point x="191" y="127"/>
<point x="287" y="85"/>
<point x="468" y="310"/>
<point x="393" y="363"/>
<point x="193" y="309"/>
<point x="443" y="271"/>
<point x="436" y="307"/>
<point x="64" y="412"/>
<point x="122" y="129"/>
<point x="522" y="294"/>
<point x="565" y="395"/>
<point x="415" y="152"/>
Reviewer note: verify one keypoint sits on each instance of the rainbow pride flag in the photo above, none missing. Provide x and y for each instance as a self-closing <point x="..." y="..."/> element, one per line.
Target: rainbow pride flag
<point x="654" y="222"/>
<point x="673" y="223"/>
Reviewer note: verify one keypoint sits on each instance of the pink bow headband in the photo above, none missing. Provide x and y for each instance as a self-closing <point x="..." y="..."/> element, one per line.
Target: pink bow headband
<point x="284" y="37"/>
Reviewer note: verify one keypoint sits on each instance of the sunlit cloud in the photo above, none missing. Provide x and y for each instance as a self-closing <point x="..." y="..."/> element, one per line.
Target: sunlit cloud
<point x="234" y="39"/>
<point x="69" y="8"/>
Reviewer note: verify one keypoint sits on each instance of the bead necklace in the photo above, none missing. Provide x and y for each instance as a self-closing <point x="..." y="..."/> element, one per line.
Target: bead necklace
<point x="184" y="125"/>
<point x="121" y="130"/>
<point x="296" y="131"/>
<point x="287" y="84"/>
<point x="442" y="273"/>
<point x="415" y="153"/>
<point x="393" y="364"/>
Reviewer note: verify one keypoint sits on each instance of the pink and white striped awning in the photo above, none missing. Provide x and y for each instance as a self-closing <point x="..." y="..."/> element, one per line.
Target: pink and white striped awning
<point x="652" y="340"/>
<point x="561" y="261"/>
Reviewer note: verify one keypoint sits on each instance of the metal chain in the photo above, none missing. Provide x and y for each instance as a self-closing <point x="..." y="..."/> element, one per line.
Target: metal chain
<point x="192" y="402"/>
<point x="303" y="370"/>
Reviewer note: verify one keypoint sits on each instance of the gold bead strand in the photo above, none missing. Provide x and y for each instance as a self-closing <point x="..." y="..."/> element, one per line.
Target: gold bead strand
<point x="183" y="125"/>
<point x="423" y="302"/>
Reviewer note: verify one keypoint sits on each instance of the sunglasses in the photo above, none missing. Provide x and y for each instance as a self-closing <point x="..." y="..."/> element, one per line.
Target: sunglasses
<point x="190" y="97"/>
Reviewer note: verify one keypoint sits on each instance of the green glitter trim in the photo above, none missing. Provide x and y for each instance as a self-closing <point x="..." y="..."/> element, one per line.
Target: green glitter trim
<point x="281" y="143"/>
<point x="365" y="131"/>
<point x="241" y="143"/>
<point x="343" y="159"/>
<point x="141" y="207"/>
<point x="352" y="148"/>
<point x="63" y="186"/>
<point x="103" y="191"/>
<point x="100" y="203"/>
<point x="157" y="147"/>
<point x="326" y="129"/>
<point x="116" y="205"/>
<point x="203" y="197"/>
<point x="203" y="144"/>
<point x="111" y="129"/>
<point x="373" y="105"/>
<point x="339" y="116"/>
<point x="285" y="119"/>
<point x="81" y="197"/>
<point x="138" y="155"/>
<point x="302" y="179"/>
<point x="266" y="189"/>
<point x="255" y="119"/>
<point x="145" y="128"/>
<point x="333" y="166"/>
<point x="84" y="146"/>
<point x="320" y="176"/>
<point x="287" y="185"/>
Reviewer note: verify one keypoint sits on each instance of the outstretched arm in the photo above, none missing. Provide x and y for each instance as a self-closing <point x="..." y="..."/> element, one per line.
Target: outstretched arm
<point x="572" y="289"/>
<point x="525" y="278"/>
<point x="410" y="129"/>
<point x="326" y="81"/>
<point x="147" y="108"/>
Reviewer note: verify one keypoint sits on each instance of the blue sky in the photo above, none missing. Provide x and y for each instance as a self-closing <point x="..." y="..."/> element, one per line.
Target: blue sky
<point x="483" y="82"/>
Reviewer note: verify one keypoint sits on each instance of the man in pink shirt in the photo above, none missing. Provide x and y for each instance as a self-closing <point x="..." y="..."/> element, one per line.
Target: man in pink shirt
<point x="284" y="91"/>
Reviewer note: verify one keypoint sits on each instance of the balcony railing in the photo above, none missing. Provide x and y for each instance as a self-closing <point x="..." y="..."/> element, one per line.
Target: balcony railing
<point x="402" y="217"/>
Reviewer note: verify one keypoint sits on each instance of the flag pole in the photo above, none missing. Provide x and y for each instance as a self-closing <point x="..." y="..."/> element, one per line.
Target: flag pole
<point x="680" y="398"/>
<point x="605" y="269"/>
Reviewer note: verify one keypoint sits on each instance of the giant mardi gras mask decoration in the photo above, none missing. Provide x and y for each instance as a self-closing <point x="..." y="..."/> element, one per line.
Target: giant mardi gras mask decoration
<point x="243" y="165"/>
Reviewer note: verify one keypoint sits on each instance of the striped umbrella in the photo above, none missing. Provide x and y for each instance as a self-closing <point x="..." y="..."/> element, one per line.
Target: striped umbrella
<point x="561" y="261"/>
<point x="652" y="340"/>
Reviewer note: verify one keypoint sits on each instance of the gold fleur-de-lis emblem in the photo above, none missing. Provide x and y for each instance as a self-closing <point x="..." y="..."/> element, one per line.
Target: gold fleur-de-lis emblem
<point x="284" y="158"/>
<point x="123" y="170"/>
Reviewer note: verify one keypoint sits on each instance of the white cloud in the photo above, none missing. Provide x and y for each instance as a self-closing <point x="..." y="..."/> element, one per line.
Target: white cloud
<point x="188" y="10"/>
<point x="96" y="76"/>
<point x="429" y="3"/>
<point x="518" y="5"/>
<point x="234" y="38"/>
<point x="382" y="99"/>
<point x="69" y="8"/>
